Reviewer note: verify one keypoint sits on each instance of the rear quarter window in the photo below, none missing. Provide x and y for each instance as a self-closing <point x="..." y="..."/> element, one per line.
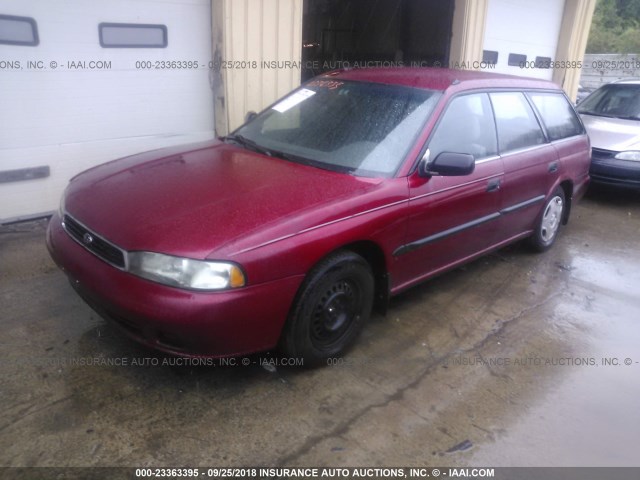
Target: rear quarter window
<point x="557" y="114"/>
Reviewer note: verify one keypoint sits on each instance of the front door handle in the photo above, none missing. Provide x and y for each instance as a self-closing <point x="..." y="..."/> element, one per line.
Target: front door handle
<point x="493" y="185"/>
<point x="553" y="167"/>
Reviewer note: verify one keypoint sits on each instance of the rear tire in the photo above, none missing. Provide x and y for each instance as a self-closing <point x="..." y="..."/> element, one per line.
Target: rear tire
<point x="331" y="308"/>
<point x="549" y="223"/>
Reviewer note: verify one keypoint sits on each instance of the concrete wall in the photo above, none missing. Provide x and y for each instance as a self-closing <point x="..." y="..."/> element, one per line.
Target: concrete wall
<point x="601" y="68"/>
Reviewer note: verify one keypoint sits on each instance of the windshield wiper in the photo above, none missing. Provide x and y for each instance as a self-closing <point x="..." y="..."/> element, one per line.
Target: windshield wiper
<point x="245" y="142"/>
<point x="291" y="158"/>
<point x="251" y="145"/>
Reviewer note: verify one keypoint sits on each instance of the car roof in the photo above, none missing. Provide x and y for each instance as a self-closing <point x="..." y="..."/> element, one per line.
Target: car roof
<point x="632" y="81"/>
<point x="439" y="78"/>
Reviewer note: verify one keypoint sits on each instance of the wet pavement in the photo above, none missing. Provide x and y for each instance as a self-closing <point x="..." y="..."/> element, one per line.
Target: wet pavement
<point x="517" y="359"/>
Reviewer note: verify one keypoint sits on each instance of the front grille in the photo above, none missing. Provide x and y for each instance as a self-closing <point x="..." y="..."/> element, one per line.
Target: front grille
<point x="94" y="243"/>
<point x="601" y="154"/>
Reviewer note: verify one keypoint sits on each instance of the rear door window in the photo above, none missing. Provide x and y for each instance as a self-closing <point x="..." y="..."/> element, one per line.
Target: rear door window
<point x="557" y="114"/>
<point x="517" y="124"/>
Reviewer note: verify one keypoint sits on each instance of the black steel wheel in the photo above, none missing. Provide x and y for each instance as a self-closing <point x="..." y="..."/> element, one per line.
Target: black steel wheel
<point x="332" y="305"/>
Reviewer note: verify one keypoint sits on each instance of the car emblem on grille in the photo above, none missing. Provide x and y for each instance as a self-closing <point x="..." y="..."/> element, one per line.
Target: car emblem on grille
<point x="87" y="239"/>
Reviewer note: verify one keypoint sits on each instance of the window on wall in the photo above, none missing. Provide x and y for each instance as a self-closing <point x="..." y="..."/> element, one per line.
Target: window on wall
<point x="516" y="122"/>
<point x="490" y="56"/>
<point x="516" y="59"/>
<point x="18" y="31"/>
<point x="543" y="62"/>
<point x="132" y="35"/>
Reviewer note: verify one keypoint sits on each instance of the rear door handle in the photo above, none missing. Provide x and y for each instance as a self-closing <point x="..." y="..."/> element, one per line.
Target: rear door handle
<point x="553" y="167"/>
<point x="493" y="185"/>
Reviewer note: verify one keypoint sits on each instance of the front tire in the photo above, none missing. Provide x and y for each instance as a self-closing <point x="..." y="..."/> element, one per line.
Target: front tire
<point x="331" y="308"/>
<point x="550" y="221"/>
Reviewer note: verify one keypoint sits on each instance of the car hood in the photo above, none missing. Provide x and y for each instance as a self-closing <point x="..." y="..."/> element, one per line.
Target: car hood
<point x="208" y="199"/>
<point x="612" y="133"/>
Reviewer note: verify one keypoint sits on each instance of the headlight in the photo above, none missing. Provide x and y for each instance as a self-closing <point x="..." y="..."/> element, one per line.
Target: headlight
<point x="186" y="272"/>
<point x="630" y="155"/>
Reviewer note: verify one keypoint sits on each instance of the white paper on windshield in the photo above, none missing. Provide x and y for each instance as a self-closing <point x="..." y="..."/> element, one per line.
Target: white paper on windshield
<point x="293" y="100"/>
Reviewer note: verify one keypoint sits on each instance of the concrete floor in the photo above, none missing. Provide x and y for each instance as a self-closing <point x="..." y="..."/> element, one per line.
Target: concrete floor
<point x="499" y="363"/>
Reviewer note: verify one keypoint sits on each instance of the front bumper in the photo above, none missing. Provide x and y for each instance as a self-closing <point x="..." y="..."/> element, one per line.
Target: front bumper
<point x="606" y="169"/>
<point x="180" y="322"/>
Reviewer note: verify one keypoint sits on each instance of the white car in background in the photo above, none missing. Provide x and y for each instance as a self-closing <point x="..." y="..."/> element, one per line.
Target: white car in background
<point x="611" y="116"/>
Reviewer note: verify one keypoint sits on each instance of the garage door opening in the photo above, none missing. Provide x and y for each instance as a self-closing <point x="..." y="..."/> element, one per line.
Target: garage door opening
<point x="366" y="33"/>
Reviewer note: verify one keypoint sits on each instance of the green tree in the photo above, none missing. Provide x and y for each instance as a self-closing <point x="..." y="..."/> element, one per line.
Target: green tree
<point x="615" y="27"/>
<point x="629" y="11"/>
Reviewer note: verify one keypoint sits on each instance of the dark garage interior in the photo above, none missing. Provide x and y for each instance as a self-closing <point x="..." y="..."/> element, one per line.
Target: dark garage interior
<point x="339" y="33"/>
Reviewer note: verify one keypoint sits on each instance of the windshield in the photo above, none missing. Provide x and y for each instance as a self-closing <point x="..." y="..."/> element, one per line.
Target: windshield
<point x="359" y="128"/>
<point x="614" y="100"/>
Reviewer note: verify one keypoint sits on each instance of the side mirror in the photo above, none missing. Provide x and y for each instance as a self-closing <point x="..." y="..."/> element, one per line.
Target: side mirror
<point x="448" y="164"/>
<point x="250" y="116"/>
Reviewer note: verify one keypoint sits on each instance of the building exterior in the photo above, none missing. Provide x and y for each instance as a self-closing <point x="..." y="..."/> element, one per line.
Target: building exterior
<point x="601" y="68"/>
<point x="85" y="82"/>
<point x="71" y="99"/>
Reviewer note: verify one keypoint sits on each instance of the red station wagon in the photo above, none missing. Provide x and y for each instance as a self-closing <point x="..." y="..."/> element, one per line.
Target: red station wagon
<point x="351" y="189"/>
